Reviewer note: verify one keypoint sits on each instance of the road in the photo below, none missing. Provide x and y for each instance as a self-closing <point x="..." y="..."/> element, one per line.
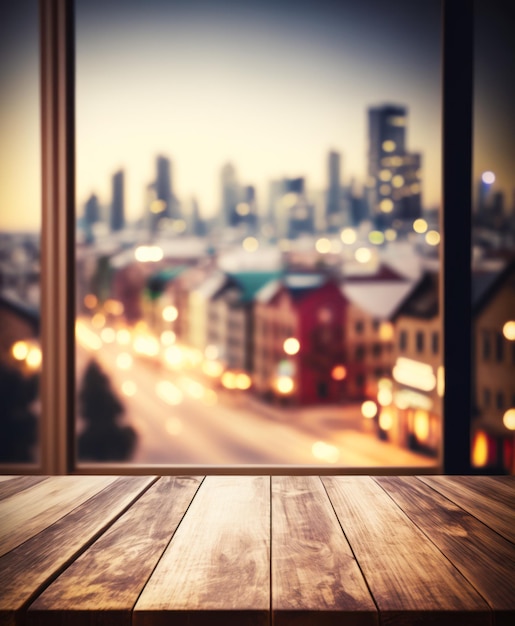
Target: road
<point x="182" y="419"/>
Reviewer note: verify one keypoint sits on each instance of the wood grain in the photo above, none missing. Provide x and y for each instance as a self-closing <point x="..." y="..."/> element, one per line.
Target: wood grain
<point x="28" y="568"/>
<point x="485" y="558"/>
<point x="315" y="578"/>
<point x="409" y="578"/>
<point x="490" y="500"/>
<point x="110" y="575"/>
<point x="18" y="484"/>
<point x="27" y="513"/>
<point x="216" y="569"/>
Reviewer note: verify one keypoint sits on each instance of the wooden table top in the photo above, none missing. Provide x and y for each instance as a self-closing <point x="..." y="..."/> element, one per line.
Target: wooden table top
<point x="249" y="550"/>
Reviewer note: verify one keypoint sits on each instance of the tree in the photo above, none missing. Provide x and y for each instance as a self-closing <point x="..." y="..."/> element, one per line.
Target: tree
<point x="18" y="422"/>
<point x="103" y="438"/>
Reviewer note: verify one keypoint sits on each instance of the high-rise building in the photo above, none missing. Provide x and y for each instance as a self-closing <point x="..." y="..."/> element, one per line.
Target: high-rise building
<point x="394" y="173"/>
<point x="231" y="195"/>
<point x="334" y="217"/>
<point x="117" y="215"/>
<point x="91" y="216"/>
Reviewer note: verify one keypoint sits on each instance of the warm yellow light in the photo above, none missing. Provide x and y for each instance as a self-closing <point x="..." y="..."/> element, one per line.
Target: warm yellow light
<point x="211" y="352"/>
<point x="509" y="419"/>
<point x="157" y="206"/>
<point x="242" y="209"/>
<point x="348" y="236"/>
<point x="169" y="393"/>
<point x="415" y="188"/>
<point x="214" y="369"/>
<point x="376" y="237"/>
<point x="250" y="244"/>
<point x="86" y="337"/>
<point x="173" y="356"/>
<point x="243" y="381"/>
<point x="291" y="346"/>
<point x="124" y="360"/>
<point x="398" y="181"/>
<point x="148" y="346"/>
<point x="363" y="255"/>
<point x="168" y="337"/>
<point x="508" y="330"/>
<point x="440" y="381"/>
<point x="421" y="425"/>
<point x="480" y="450"/>
<point x="369" y="409"/>
<point x="193" y="388"/>
<point x="113" y="307"/>
<point x="386" y="331"/>
<point x="384" y="396"/>
<point x="323" y="245"/>
<point x="20" y="350"/>
<point x="325" y="452"/>
<point x="384" y="383"/>
<point x="338" y="372"/>
<point x="284" y="384"/>
<point x="108" y="335"/>
<point x="210" y="398"/>
<point x="170" y="313"/>
<point x="386" y="205"/>
<point x="34" y="358"/>
<point x="90" y="301"/>
<point x="385" y="175"/>
<point x="432" y="238"/>
<point x="229" y="380"/>
<point x="420" y="226"/>
<point x="98" y="321"/>
<point x="123" y="337"/>
<point x="389" y="145"/>
<point x="129" y="388"/>
<point x="386" y="419"/>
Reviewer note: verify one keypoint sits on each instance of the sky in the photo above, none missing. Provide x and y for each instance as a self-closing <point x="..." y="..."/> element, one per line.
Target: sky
<point x="269" y="86"/>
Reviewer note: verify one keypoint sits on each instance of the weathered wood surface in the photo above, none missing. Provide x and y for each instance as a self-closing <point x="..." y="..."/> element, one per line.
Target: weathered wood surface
<point x="490" y="500"/>
<point x="410" y="579"/>
<point x="26" y="569"/>
<point x="484" y="557"/>
<point x="315" y="577"/>
<point x="110" y="575"/>
<point x="25" y="514"/>
<point x="216" y="569"/>
<point x="257" y="550"/>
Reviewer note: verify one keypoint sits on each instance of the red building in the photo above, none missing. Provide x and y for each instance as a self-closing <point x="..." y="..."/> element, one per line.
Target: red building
<point x="299" y="339"/>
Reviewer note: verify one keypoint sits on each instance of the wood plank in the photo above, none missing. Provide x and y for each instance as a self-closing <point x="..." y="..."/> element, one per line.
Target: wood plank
<point x="315" y="578"/>
<point x="28" y="568"/>
<point x="3" y="478"/>
<point x="25" y="514"/>
<point x="110" y="575"/>
<point x="485" y="558"/>
<point x="483" y="496"/>
<point x="17" y="484"/>
<point x="216" y="569"/>
<point x="409" y="578"/>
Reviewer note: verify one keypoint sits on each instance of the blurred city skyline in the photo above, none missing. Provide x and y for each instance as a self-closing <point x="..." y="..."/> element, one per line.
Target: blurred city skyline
<point x="276" y="87"/>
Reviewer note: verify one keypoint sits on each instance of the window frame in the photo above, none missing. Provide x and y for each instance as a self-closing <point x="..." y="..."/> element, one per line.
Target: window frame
<point x="57" y="432"/>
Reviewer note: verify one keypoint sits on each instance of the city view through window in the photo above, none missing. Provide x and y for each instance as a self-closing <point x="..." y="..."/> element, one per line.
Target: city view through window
<point x="258" y="190"/>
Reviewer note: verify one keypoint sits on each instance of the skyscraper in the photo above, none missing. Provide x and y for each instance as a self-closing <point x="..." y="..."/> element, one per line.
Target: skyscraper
<point x="231" y="195"/>
<point x="117" y="215"/>
<point x="334" y="217"/>
<point x="91" y="216"/>
<point x="394" y="173"/>
<point x="163" y="185"/>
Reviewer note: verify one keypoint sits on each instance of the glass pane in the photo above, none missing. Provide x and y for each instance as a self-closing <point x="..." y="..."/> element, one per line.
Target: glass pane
<point x="493" y="240"/>
<point x="258" y="188"/>
<point x="20" y="229"/>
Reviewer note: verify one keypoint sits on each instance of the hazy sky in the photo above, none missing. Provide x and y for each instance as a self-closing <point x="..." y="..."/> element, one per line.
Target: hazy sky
<point x="269" y="86"/>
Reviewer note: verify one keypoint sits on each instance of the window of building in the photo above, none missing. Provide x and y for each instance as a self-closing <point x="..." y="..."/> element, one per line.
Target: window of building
<point x="487" y="397"/>
<point x="486" y="351"/>
<point x="435" y="342"/>
<point x="499" y="400"/>
<point x="359" y="327"/>
<point x="359" y="354"/>
<point x="499" y="347"/>
<point x="419" y="341"/>
<point x="403" y="340"/>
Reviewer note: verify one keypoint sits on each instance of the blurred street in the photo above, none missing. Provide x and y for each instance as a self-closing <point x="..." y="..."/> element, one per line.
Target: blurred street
<point x="183" y="419"/>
